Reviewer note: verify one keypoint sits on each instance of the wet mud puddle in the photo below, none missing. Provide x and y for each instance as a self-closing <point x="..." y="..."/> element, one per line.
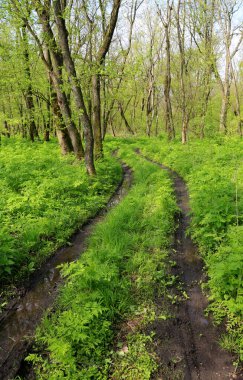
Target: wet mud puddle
<point x="187" y="344"/>
<point x="17" y="329"/>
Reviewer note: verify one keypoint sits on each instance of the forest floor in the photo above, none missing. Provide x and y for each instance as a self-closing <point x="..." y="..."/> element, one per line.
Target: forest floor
<point x="23" y="314"/>
<point x="187" y="344"/>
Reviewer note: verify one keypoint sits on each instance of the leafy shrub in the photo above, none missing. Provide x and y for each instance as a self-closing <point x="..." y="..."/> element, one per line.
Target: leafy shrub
<point x="44" y="197"/>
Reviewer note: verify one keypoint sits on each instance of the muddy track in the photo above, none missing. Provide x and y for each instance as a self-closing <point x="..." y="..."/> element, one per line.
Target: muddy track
<point x="18" y="325"/>
<point x="187" y="343"/>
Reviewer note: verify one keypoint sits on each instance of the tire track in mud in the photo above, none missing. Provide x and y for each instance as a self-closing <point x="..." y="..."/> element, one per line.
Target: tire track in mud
<point x="187" y="342"/>
<point x="17" y="326"/>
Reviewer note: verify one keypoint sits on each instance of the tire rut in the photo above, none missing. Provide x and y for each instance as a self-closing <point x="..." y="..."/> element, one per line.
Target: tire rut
<point x="18" y="325"/>
<point x="187" y="343"/>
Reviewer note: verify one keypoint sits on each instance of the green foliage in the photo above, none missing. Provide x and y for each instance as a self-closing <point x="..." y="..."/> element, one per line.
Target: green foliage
<point x="135" y="362"/>
<point x="113" y="280"/>
<point x="214" y="174"/>
<point x="225" y="269"/>
<point x="44" y="197"/>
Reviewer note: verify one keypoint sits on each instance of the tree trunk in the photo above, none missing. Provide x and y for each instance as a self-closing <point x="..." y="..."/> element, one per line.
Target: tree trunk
<point x="238" y="105"/>
<point x="6" y="127"/>
<point x="47" y="134"/>
<point x="48" y="122"/>
<point x="209" y="13"/>
<point x="100" y="59"/>
<point x="125" y="120"/>
<point x="184" y="137"/>
<point x="77" y="92"/>
<point x="60" y="129"/>
<point x="98" y="148"/>
<point x="28" y="92"/>
<point x="225" y="94"/>
<point x="181" y="42"/>
<point x="56" y="77"/>
<point x="224" y="110"/>
<point x="67" y="116"/>
<point x="226" y="11"/>
<point x="59" y="125"/>
<point x="150" y="110"/>
<point x="169" y="125"/>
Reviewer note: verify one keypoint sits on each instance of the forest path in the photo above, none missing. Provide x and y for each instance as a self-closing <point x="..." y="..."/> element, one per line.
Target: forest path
<point x="18" y="326"/>
<point x="187" y="344"/>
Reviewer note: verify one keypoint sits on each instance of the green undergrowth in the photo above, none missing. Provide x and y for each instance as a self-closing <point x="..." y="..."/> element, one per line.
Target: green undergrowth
<point x="112" y="287"/>
<point x="44" y="198"/>
<point x="213" y="171"/>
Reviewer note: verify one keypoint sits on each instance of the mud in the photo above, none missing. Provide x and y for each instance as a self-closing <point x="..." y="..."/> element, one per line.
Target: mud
<point x="18" y="325"/>
<point x="187" y="344"/>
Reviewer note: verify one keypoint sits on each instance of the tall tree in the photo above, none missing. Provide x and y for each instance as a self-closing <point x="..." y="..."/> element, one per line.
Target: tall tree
<point x="166" y="21"/>
<point x="28" y="93"/>
<point x="100" y="56"/>
<point x="55" y="68"/>
<point x="237" y="109"/>
<point x="76" y="87"/>
<point x="226" y="10"/>
<point x="181" y="34"/>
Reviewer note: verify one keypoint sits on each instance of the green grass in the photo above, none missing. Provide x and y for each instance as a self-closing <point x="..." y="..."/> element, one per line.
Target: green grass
<point x="44" y="198"/>
<point x="111" y="283"/>
<point x="213" y="171"/>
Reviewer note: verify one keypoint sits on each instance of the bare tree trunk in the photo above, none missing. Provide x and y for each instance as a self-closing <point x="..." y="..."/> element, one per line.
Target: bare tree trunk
<point x="125" y="119"/>
<point x="56" y="77"/>
<point x="181" y="41"/>
<point x="64" y="141"/>
<point x="224" y="110"/>
<point x="47" y="133"/>
<point x="59" y="125"/>
<point x="100" y="58"/>
<point x="66" y="112"/>
<point x="237" y="110"/>
<point x="169" y="124"/>
<point x="28" y="93"/>
<point x="113" y="129"/>
<point x="6" y="127"/>
<point x="184" y="137"/>
<point x="151" y="85"/>
<point x="23" y="125"/>
<point x="5" y="123"/>
<point x="54" y="69"/>
<point x="226" y="11"/>
<point x="209" y="13"/>
<point x="77" y="92"/>
<point x="98" y="148"/>
<point x="150" y="107"/>
<point x="125" y="52"/>
<point x="225" y="97"/>
<point x="48" y="123"/>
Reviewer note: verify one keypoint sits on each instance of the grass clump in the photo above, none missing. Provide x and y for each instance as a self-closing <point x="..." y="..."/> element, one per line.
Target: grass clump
<point x="112" y="283"/>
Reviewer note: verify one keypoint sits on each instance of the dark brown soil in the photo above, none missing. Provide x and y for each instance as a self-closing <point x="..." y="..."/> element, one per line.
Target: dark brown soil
<point x="18" y="324"/>
<point x="187" y="344"/>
